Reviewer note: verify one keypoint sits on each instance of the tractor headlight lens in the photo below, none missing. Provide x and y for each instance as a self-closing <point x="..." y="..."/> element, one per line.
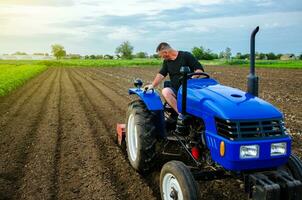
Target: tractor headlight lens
<point x="278" y="149"/>
<point x="249" y="151"/>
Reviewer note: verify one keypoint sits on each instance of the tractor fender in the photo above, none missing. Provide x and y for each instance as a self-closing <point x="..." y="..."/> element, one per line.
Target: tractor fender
<point x="150" y="98"/>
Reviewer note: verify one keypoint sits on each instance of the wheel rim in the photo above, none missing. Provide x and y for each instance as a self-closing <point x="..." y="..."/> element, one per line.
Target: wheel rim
<point x="132" y="138"/>
<point x="171" y="188"/>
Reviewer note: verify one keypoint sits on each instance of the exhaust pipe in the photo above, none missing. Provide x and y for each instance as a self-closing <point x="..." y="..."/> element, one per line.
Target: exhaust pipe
<point x="252" y="79"/>
<point x="184" y="70"/>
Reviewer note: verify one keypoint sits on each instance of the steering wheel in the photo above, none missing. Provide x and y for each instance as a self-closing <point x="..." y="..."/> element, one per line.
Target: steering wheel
<point x="146" y="91"/>
<point x="198" y="73"/>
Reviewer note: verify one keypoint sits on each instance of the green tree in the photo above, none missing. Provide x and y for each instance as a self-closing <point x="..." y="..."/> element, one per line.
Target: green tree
<point x="154" y="56"/>
<point x="197" y="52"/>
<point x="228" y="53"/>
<point x="214" y="56"/>
<point x="58" y="51"/>
<point x="238" y="55"/>
<point x="99" y="57"/>
<point x="107" y="56"/>
<point x="74" y="56"/>
<point x="125" y="50"/>
<point x="203" y="54"/>
<point x="92" y="57"/>
<point x="141" y="55"/>
<point x="221" y="54"/>
<point x="246" y="56"/>
<point x="300" y="56"/>
<point x="271" y="56"/>
<point x="209" y="55"/>
<point x="18" y="53"/>
<point x="38" y="54"/>
<point x="279" y="56"/>
<point x="262" y="56"/>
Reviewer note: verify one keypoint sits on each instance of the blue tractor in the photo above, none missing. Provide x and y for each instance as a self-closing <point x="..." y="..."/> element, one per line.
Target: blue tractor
<point x="228" y="133"/>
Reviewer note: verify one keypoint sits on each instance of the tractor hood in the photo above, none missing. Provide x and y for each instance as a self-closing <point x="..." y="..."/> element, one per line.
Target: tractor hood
<point x="208" y="96"/>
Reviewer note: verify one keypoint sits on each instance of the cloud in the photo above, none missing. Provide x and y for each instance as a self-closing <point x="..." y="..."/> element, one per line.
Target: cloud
<point x="38" y="2"/>
<point x="144" y="23"/>
<point x="124" y="33"/>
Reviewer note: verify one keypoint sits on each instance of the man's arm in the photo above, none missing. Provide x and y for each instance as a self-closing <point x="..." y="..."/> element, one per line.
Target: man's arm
<point x="158" y="79"/>
<point x="163" y="72"/>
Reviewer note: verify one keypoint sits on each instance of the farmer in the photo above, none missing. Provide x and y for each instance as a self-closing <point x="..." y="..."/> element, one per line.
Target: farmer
<point x="173" y="61"/>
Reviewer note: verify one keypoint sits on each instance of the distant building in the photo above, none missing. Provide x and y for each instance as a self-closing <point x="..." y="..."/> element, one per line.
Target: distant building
<point x="26" y="57"/>
<point x="108" y="57"/>
<point x="288" y="57"/>
<point x="73" y="56"/>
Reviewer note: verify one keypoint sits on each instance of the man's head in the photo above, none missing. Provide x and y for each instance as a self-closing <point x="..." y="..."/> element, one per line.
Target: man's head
<point x="165" y="51"/>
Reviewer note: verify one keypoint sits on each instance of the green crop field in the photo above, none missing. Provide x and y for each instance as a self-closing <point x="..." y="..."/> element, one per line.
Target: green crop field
<point x="13" y="76"/>
<point x="103" y="63"/>
<point x="293" y="64"/>
<point x="151" y="62"/>
<point x="87" y="63"/>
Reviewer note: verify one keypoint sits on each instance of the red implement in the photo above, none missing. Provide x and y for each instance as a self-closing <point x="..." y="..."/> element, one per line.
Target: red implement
<point x="121" y="130"/>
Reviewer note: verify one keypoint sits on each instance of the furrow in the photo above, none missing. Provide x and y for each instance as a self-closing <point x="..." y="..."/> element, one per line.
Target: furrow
<point x="80" y="173"/>
<point x="34" y="181"/>
<point x="58" y="146"/>
<point x="102" y="118"/>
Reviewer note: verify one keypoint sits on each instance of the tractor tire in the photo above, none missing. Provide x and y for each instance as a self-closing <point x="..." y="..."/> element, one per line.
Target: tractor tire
<point x="142" y="130"/>
<point x="177" y="182"/>
<point x="294" y="166"/>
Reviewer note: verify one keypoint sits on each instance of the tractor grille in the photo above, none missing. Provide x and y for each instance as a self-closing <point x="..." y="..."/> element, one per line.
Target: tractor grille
<point x="250" y="129"/>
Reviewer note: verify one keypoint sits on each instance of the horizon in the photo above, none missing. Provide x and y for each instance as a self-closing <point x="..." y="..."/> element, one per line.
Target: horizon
<point x="82" y="55"/>
<point x="98" y="27"/>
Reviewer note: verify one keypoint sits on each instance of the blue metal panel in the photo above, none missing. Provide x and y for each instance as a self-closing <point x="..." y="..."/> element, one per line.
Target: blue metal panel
<point x="150" y="98"/>
<point x="208" y="96"/>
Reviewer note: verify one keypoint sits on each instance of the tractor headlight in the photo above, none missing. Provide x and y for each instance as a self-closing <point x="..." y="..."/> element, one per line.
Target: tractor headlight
<point x="278" y="149"/>
<point x="249" y="151"/>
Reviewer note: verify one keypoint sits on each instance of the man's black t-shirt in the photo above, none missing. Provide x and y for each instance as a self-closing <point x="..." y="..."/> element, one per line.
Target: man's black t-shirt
<point x="172" y="67"/>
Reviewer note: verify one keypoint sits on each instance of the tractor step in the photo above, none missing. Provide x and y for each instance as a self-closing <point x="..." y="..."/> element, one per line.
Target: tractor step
<point x="171" y="154"/>
<point x="175" y="138"/>
<point x="273" y="185"/>
<point x="171" y="139"/>
<point x="211" y="175"/>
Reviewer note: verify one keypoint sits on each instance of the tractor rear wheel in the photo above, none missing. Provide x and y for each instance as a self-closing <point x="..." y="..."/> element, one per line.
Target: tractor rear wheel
<point x="177" y="182"/>
<point x="142" y="129"/>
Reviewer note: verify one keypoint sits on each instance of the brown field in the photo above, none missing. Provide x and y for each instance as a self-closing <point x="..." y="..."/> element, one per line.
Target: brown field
<point x="57" y="136"/>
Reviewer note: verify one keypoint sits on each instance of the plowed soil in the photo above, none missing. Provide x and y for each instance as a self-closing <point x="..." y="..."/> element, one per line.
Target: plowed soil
<point x="57" y="136"/>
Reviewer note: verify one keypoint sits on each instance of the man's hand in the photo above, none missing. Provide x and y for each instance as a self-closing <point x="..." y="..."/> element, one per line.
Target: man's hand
<point x="196" y="76"/>
<point x="197" y="71"/>
<point x="148" y="87"/>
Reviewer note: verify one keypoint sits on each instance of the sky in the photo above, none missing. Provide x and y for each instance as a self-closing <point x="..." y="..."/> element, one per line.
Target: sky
<point x="99" y="26"/>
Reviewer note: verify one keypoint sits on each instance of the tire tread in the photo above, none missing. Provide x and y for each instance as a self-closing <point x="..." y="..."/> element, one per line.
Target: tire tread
<point x="147" y="121"/>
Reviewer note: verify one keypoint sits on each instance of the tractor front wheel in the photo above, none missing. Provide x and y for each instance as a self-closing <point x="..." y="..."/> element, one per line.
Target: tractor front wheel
<point x="294" y="167"/>
<point x="177" y="182"/>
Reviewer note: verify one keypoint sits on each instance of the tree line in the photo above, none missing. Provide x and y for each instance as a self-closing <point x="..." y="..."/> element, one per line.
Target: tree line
<point x="125" y="51"/>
